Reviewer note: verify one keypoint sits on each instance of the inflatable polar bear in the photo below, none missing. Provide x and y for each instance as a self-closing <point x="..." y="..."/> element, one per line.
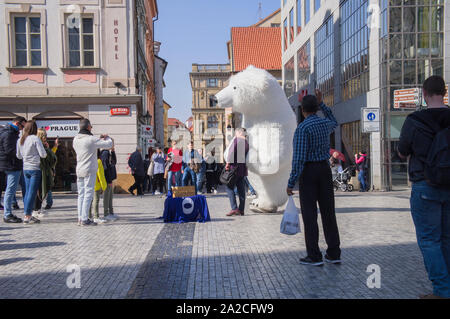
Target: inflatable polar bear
<point x="270" y="123"/>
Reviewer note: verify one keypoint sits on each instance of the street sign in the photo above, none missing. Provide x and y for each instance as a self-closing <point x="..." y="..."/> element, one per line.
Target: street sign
<point x="370" y="119"/>
<point x="119" y="110"/>
<point x="407" y="98"/>
<point x="152" y="142"/>
<point x="147" y="131"/>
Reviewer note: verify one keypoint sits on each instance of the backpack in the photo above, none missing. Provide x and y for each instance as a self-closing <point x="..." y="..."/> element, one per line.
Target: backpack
<point x="437" y="164"/>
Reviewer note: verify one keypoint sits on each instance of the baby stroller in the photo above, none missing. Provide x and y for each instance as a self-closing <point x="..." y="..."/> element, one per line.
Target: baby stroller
<point x="341" y="181"/>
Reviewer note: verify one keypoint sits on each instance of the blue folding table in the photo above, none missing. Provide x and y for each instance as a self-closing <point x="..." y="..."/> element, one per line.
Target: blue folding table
<point x="186" y="209"/>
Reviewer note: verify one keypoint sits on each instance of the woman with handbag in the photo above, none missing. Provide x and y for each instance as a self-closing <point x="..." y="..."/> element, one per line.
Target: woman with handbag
<point x="235" y="171"/>
<point x="156" y="171"/>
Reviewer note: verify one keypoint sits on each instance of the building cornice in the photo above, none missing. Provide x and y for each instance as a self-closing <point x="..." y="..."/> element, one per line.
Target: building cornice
<point x="81" y="99"/>
<point x="209" y="74"/>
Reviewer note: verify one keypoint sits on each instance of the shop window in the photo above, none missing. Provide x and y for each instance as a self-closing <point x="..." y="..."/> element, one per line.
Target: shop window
<point x="353" y="141"/>
<point x="304" y="65"/>
<point x="80" y="42"/>
<point x="27" y="40"/>
<point x="289" y="81"/>
<point x="396" y="125"/>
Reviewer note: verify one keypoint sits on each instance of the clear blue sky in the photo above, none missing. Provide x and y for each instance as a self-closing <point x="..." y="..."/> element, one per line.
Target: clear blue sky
<point x="196" y="31"/>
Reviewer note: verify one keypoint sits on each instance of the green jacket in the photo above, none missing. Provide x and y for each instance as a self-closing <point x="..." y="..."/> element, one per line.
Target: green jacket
<point x="48" y="165"/>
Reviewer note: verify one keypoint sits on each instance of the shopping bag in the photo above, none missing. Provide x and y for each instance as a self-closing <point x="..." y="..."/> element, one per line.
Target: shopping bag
<point x="290" y="224"/>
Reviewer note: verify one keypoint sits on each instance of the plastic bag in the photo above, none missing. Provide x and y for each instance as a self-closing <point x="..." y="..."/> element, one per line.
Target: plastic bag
<point x="290" y="224"/>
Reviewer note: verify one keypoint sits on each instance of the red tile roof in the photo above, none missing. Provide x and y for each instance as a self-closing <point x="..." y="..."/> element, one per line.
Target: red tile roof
<point x="257" y="24"/>
<point x="260" y="47"/>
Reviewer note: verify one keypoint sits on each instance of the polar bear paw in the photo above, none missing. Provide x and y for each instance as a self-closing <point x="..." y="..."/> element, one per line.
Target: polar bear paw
<point x="260" y="207"/>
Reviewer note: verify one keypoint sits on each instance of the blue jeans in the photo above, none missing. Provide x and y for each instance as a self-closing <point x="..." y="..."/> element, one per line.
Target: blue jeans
<point x="362" y="180"/>
<point x="12" y="181"/>
<point x="33" y="180"/>
<point x="200" y="177"/>
<point x="23" y="188"/>
<point x="250" y="187"/>
<point x="240" y="185"/>
<point x="189" y="175"/>
<point x="177" y="179"/>
<point x="430" y="209"/>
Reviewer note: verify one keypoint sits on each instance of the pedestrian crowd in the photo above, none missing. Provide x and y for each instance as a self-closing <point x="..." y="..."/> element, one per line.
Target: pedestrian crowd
<point x="160" y="170"/>
<point x="26" y="159"/>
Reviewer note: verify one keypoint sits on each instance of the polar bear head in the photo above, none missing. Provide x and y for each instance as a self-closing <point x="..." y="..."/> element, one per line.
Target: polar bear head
<point x="251" y="91"/>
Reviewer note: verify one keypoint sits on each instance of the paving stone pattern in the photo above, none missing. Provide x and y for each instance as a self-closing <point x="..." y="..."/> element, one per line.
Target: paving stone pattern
<point x="139" y="256"/>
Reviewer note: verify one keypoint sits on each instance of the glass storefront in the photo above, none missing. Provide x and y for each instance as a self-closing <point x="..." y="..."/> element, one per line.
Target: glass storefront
<point x="411" y="51"/>
<point x="66" y="164"/>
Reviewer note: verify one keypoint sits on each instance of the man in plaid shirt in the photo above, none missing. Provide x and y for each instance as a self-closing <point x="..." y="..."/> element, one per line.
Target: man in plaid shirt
<point x="311" y="168"/>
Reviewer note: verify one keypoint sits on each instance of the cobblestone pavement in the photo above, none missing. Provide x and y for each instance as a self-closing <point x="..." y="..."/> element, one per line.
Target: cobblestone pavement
<point x="139" y="256"/>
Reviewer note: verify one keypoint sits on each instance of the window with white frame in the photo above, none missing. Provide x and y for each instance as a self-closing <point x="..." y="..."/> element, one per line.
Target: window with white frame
<point x="26" y="39"/>
<point x="212" y="82"/>
<point x="80" y="42"/>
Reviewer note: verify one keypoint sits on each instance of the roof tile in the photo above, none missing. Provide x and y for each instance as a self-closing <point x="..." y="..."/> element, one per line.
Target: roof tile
<point x="257" y="46"/>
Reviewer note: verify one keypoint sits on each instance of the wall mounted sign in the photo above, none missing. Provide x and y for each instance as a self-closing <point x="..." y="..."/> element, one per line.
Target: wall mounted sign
<point x="60" y="128"/>
<point x="147" y="131"/>
<point x="120" y="110"/>
<point x="370" y="120"/>
<point x="407" y="98"/>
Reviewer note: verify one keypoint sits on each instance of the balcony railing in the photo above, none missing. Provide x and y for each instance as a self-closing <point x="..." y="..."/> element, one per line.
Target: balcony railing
<point x="211" y="68"/>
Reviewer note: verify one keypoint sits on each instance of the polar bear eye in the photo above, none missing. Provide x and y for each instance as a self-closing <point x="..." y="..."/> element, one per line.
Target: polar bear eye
<point x="234" y="88"/>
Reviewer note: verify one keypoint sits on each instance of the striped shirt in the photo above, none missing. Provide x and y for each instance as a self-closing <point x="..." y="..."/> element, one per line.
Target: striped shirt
<point x="312" y="142"/>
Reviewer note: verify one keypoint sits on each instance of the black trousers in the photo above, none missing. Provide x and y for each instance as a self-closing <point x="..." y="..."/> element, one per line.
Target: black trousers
<point x="138" y="184"/>
<point x="158" y="182"/>
<point x="316" y="185"/>
<point x="211" y="181"/>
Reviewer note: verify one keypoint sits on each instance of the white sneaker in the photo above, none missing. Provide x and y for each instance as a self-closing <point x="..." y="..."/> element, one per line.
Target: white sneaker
<point x="100" y="220"/>
<point x="157" y="193"/>
<point x="251" y="196"/>
<point x="215" y="191"/>
<point x="111" y="217"/>
<point x="35" y="214"/>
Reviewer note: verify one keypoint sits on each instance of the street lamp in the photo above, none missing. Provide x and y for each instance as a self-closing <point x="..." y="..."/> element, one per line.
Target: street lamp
<point x="147" y="117"/>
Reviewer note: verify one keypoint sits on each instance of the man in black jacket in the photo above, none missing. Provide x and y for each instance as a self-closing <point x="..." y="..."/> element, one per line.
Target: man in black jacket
<point x="136" y="164"/>
<point x="10" y="164"/>
<point x="430" y="204"/>
<point x="109" y="161"/>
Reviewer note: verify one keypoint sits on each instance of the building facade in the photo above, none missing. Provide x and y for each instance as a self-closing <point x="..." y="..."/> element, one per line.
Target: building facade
<point x="358" y="53"/>
<point x="160" y="69"/>
<point x="66" y="60"/>
<point x="209" y="118"/>
<point x="167" y="107"/>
